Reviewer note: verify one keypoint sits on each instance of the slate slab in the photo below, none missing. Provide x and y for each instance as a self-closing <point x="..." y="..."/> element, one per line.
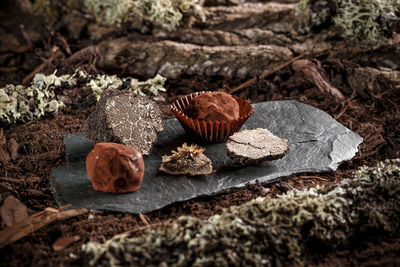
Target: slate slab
<point x="318" y="143"/>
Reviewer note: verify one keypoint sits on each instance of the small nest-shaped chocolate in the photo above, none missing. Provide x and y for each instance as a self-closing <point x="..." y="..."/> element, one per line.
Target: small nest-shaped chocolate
<point x="187" y="160"/>
<point x="207" y="130"/>
<point x="256" y="146"/>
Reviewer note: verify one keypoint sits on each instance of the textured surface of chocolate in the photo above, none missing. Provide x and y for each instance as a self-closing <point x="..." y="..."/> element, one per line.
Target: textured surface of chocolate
<point x="255" y="146"/>
<point x="210" y="131"/>
<point x="115" y="168"/>
<point x="317" y="142"/>
<point x="215" y="106"/>
<point x="122" y="117"/>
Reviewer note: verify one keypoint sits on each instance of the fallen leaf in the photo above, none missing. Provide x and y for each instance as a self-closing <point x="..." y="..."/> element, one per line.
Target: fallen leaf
<point x="13" y="147"/>
<point x="13" y="211"/>
<point x="64" y="242"/>
<point x="4" y="156"/>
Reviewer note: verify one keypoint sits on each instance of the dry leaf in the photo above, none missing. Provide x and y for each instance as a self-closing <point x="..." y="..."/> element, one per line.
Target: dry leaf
<point x="4" y="156"/>
<point x="13" y="211"/>
<point x="64" y="242"/>
<point x="13" y="147"/>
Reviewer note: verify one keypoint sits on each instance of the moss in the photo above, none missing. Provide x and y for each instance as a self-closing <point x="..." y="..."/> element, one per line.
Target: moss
<point x="368" y="21"/>
<point x="270" y="231"/>
<point x="165" y="14"/>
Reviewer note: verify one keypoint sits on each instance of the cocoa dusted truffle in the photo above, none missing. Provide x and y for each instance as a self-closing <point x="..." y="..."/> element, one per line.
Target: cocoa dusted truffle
<point x="256" y="146"/>
<point x="215" y="106"/>
<point x="115" y="168"/>
<point x="187" y="160"/>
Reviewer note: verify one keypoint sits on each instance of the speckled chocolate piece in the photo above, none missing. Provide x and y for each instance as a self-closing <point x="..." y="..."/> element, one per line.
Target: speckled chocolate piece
<point x="126" y="118"/>
<point x="255" y="146"/>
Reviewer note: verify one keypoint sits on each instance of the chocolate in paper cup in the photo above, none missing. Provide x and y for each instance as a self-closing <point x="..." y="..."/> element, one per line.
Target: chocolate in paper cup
<point x="210" y="131"/>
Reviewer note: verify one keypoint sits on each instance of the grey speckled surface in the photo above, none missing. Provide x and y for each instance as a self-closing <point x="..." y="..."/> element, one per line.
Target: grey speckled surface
<point x="317" y="144"/>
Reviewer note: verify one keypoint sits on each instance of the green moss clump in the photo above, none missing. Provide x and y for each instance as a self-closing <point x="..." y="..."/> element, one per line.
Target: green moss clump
<point x="165" y="14"/>
<point x="368" y="21"/>
<point x="268" y="232"/>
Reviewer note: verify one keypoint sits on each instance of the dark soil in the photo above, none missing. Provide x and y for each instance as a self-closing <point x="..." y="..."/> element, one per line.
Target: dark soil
<point x="376" y="119"/>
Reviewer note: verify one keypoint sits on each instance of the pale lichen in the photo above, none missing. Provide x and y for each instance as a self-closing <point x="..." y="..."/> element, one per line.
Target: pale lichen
<point x="270" y="231"/>
<point x="165" y="14"/>
<point x="368" y="21"/>
<point x="19" y="103"/>
<point x="152" y="86"/>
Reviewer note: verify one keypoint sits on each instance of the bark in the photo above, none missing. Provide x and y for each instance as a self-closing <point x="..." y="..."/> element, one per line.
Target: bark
<point x="249" y="15"/>
<point x="172" y="59"/>
<point x="34" y="223"/>
<point x="370" y="80"/>
<point x="236" y="41"/>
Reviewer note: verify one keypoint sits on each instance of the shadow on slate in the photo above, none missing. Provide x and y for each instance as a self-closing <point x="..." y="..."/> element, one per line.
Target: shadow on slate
<point x="318" y="143"/>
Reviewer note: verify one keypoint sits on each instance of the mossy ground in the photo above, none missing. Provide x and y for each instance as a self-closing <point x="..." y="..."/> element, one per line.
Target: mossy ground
<point x="268" y="231"/>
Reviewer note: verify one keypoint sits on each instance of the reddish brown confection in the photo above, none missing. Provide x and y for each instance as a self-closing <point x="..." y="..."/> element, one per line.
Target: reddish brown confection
<point x="216" y="106"/>
<point x="115" y="168"/>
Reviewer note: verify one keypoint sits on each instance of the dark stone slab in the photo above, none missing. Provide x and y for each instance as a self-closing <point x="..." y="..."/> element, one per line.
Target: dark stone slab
<point x="317" y="144"/>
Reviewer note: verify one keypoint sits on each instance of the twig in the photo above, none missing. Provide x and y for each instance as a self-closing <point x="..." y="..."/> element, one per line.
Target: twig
<point x="139" y="229"/>
<point x="143" y="219"/>
<point x="344" y="109"/>
<point x="63" y="43"/>
<point x="35" y="222"/>
<point x="51" y="81"/>
<point x="312" y="73"/>
<point x="265" y="74"/>
<point x="26" y="37"/>
<point x="83" y="54"/>
<point x="41" y="66"/>
<point x="12" y="180"/>
<point x="313" y="177"/>
<point x="8" y="69"/>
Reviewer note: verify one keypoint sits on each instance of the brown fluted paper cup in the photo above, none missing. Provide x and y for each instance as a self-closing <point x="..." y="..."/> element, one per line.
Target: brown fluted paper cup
<point x="210" y="131"/>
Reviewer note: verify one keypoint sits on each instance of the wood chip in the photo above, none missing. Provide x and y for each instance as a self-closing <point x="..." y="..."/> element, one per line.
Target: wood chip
<point x="64" y="242"/>
<point x="313" y="74"/>
<point x="35" y="222"/>
<point x="13" y="211"/>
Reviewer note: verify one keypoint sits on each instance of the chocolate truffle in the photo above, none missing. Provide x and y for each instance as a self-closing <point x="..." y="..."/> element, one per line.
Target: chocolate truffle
<point x="187" y="160"/>
<point x="216" y="106"/>
<point x="115" y="168"/>
<point x="255" y="146"/>
<point x="125" y="118"/>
